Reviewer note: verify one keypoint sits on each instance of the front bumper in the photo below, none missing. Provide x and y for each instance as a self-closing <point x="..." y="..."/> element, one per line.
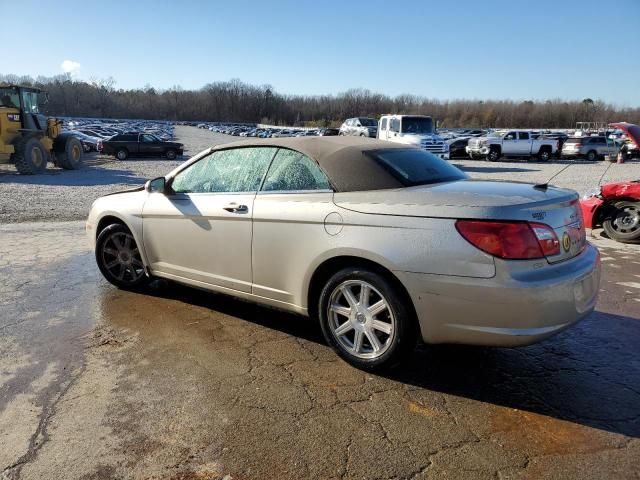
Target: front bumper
<point x="513" y="308"/>
<point x="477" y="151"/>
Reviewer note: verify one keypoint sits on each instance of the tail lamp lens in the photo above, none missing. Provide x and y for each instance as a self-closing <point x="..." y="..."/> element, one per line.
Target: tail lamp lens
<point x="510" y="240"/>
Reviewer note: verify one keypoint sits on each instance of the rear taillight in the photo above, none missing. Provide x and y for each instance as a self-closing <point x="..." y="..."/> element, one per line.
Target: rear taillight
<point x="510" y="240"/>
<point x="547" y="239"/>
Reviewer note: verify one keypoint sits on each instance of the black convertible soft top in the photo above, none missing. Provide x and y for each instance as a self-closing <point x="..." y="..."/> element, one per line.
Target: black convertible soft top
<point x="343" y="159"/>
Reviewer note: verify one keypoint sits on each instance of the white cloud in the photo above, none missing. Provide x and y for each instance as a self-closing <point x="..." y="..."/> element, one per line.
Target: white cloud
<point x="70" y="67"/>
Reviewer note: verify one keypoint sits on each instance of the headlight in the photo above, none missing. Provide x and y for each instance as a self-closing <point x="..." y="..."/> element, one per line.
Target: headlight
<point x="595" y="192"/>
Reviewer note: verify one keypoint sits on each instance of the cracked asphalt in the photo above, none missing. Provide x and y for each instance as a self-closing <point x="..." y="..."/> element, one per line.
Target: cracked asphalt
<point x="176" y="383"/>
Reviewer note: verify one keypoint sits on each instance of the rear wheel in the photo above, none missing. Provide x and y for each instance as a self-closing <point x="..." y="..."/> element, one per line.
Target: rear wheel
<point x="592" y="155"/>
<point x="366" y="319"/>
<point x="623" y="222"/>
<point x="544" y="155"/>
<point x="119" y="259"/>
<point x="30" y="156"/>
<point x="71" y="157"/>
<point x="122" y="154"/>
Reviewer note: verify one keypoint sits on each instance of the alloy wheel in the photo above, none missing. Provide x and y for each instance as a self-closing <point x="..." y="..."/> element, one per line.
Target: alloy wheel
<point x="121" y="258"/>
<point x="361" y="319"/>
<point x="627" y="219"/>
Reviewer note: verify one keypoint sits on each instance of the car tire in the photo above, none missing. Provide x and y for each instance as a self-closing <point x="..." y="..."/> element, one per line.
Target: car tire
<point x="170" y="154"/>
<point x="591" y="155"/>
<point x="544" y="155"/>
<point x="622" y="223"/>
<point x="30" y="156"/>
<point x="493" y="155"/>
<point x="119" y="259"/>
<point x="377" y="332"/>
<point x="71" y="157"/>
<point x="122" y="154"/>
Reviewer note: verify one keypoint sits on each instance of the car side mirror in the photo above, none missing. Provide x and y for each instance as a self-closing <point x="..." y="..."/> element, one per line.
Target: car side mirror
<point x="158" y="185"/>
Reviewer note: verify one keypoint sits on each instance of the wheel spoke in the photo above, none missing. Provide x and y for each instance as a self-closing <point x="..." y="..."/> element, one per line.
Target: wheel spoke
<point x="381" y="326"/>
<point x="365" y="292"/>
<point x="127" y="242"/>
<point x="344" y="328"/>
<point x="378" y="307"/>
<point x="121" y="272"/>
<point x="348" y="295"/>
<point x="112" y="264"/>
<point x="357" y="341"/>
<point x="373" y="340"/>
<point x="340" y="310"/>
<point x="116" y="242"/>
<point x="111" y="251"/>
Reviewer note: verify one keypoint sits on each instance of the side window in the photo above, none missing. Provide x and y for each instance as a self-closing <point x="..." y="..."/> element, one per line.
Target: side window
<point x="383" y="124"/>
<point x="394" y="125"/>
<point x="232" y="170"/>
<point x="510" y="136"/>
<point x="147" y="139"/>
<point x="524" y="135"/>
<point x="293" y="171"/>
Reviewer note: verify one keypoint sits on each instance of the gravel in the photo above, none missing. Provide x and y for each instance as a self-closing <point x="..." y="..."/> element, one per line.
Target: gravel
<point x="67" y="195"/>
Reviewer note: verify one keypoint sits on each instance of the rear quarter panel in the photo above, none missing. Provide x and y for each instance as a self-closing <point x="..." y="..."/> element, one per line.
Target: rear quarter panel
<point x="294" y="234"/>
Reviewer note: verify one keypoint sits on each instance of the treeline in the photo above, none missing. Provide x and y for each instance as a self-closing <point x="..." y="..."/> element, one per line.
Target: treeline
<point x="236" y="101"/>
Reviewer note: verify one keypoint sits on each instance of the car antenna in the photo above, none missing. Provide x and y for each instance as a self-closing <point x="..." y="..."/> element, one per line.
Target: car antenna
<point x="544" y="186"/>
<point x="604" y="173"/>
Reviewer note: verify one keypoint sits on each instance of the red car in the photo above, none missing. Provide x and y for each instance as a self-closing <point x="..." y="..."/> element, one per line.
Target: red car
<point x="615" y="206"/>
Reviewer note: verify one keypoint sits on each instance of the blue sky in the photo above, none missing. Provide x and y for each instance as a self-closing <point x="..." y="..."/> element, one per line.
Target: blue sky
<point x="439" y="49"/>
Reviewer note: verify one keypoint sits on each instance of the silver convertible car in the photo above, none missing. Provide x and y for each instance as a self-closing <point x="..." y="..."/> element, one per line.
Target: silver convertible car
<point x="383" y="243"/>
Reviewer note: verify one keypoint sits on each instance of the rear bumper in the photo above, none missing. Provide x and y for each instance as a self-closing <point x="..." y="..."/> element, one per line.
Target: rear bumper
<point x="509" y="309"/>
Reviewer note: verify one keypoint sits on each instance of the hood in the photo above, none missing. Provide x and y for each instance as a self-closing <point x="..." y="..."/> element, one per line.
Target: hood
<point x="129" y="190"/>
<point x="632" y="131"/>
<point x="462" y="199"/>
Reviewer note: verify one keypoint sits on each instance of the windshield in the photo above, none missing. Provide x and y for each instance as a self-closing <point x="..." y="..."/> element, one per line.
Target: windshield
<point x="9" y="98"/>
<point x="368" y="122"/>
<point x="497" y="133"/>
<point x="419" y="125"/>
<point x="413" y="166"/>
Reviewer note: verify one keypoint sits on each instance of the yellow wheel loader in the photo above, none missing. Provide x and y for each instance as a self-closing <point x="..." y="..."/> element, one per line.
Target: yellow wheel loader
<point x="28" y="138"/>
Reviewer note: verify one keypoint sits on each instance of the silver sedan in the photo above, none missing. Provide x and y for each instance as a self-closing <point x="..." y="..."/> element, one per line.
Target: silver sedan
<point x="384" y="244"/>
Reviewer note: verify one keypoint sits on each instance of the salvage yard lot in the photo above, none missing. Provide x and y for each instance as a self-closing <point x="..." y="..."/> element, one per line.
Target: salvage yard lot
<point x="67" y="195"/>
<point x="174" y="383"/>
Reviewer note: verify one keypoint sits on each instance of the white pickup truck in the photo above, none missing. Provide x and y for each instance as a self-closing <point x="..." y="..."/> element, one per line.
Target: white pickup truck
<point x="415" y="130"/>
<point x="512" y="143"/>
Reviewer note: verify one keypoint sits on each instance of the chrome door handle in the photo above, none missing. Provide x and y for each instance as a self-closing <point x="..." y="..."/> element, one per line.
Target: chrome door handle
<point x="235" y="208"/>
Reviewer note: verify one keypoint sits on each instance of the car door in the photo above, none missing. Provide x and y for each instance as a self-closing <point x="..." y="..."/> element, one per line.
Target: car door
<point x="382" y="131"/>
<point x="524" y="143"/>
<point x="510" y="144"/>
<point x="200" y="230"/>
<point x="150" y="145"/>
<point x="289" y="226"/>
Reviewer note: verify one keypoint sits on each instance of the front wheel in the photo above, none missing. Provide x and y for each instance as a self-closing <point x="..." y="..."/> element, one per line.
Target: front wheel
<point x="170" y="154"/>
<point x="623" y="222"/>
<point x="71" y="157"/>
<point x="119" y="259"/>
<point x="493" y="155"/>
<point x="366" y="319"/>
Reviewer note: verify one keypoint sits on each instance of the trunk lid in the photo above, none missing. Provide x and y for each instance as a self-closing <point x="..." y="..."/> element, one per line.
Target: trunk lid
<point x="481" y="200"/>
